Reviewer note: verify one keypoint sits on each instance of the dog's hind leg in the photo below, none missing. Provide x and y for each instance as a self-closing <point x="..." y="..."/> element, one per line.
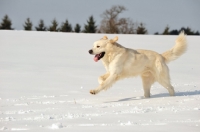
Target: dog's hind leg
<point x="147" y="80"/>
<point x="163" y="76"/>
<point x="105" y="84"/>
<point x="164" y="80"/>
<point x="168" y="86"/>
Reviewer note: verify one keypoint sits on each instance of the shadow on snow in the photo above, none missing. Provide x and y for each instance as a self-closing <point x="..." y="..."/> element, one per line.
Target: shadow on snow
<point x="188" y="93"/>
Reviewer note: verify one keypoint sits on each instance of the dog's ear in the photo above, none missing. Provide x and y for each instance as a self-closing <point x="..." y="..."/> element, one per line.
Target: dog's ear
<point x="105" y="37"/>
<point x="114" y="40"/>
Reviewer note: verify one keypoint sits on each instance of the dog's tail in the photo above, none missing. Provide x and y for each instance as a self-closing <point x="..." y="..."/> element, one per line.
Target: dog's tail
<point x="179" y="48"/>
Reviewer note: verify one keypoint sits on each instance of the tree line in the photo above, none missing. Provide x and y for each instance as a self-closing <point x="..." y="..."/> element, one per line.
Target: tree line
<point x="111" y="23"/>
<point x="90" y="27"/>
<point x="187" y="30"/>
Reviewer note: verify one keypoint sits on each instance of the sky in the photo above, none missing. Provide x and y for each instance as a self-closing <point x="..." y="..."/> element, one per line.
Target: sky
<point x="155" y="14"/>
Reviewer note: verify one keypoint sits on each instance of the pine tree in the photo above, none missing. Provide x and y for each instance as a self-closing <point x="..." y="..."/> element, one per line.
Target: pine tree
<point x="197" y="33"/>
<point x="166" y="31"/>
<point x="41" y="26"/>
<point x="174" y="32"/>
<point x="6" y="23"/>
<point x="54" y="26"/>
<point x="66" y="27"/>
<point x="77" y="28"/>
<point x="90" y="27"/>
<point x="28" y="25"/>
<point x="189" y="31"/>
<point x="141" y="29"/>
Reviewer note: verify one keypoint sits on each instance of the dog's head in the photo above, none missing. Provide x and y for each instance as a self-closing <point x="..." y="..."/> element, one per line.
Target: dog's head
<point x="100" y="47"/>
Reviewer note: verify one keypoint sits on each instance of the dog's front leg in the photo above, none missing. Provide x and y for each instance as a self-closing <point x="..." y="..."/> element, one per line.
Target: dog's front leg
<point x="105" y="84"/>
<point x="102" y="78"/>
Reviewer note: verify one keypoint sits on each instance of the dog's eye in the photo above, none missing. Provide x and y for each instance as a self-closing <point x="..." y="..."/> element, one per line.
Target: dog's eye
<point x="98" y="46"/>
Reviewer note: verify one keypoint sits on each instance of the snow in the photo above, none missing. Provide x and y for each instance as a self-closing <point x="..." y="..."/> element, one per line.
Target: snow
<point x="57" y="126"/>
<point x="45" y="80"/>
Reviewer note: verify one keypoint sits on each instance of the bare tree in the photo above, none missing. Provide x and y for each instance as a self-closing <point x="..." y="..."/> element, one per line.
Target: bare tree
<point x="112" y="24"/>
<point x="126" y="26"/>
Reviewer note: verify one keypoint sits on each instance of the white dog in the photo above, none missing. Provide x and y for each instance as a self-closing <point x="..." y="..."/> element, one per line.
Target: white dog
<point x="121" y="62"/>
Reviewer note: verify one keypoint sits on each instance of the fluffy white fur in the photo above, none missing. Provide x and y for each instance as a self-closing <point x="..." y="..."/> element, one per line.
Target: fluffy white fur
<point x="121" y="62"/>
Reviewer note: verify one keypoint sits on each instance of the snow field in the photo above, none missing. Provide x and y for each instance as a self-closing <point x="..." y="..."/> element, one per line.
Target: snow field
<point x="45" y="80"/>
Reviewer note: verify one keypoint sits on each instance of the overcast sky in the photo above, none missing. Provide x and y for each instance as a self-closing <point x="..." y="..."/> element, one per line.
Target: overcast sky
<point x="155" y="14"/>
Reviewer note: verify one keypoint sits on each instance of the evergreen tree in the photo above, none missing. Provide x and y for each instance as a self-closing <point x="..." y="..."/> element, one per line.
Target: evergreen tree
<point x="66" y="27"/>
<point x="166" y="31"/>
<point x="41" y="26"/>
<point x="54" y="26"/>
<point x="28" y="25"/>
<point x="6" y="23"/>
<point x="197" y="33"/>
<point x="174" y="32"/>
<point x="77" y="28"/>
<point x="141" y="29"/>
<point x="187" y="31"/>
<point x="90" y="27"/>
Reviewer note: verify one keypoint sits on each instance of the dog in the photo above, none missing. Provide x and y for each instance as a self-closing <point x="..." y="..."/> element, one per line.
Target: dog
<point x="121" y="62"/>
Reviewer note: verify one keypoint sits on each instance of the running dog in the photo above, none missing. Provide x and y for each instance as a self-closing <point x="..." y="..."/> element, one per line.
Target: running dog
<point x="121" y="62"/>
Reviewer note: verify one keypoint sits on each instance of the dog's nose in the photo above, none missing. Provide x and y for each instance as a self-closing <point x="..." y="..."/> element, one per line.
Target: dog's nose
<point x="90" y="51"/>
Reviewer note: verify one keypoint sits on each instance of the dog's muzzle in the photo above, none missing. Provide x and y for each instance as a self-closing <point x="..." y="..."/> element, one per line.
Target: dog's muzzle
<point x="90" y="51"/>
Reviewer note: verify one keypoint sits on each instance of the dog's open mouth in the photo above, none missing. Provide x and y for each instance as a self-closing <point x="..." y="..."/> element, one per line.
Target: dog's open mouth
<point x="99" y="56"/>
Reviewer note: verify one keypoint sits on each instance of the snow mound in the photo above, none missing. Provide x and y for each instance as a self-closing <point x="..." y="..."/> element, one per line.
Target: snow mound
<point x="56" y="126"/>
<point x="4" y="128"/>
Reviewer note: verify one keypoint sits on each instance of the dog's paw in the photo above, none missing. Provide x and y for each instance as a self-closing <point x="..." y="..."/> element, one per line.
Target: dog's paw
<point x="92" y="92"/>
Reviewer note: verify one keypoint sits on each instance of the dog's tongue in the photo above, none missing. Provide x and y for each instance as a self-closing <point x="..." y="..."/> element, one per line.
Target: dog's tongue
<point x="96" y="58"/>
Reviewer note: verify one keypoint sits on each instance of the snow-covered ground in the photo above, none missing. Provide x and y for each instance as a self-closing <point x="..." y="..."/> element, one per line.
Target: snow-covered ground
<point x="45" y="80"/>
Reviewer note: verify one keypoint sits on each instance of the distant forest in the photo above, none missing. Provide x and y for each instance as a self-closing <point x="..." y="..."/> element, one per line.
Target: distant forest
<point x="111" y="23"/>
